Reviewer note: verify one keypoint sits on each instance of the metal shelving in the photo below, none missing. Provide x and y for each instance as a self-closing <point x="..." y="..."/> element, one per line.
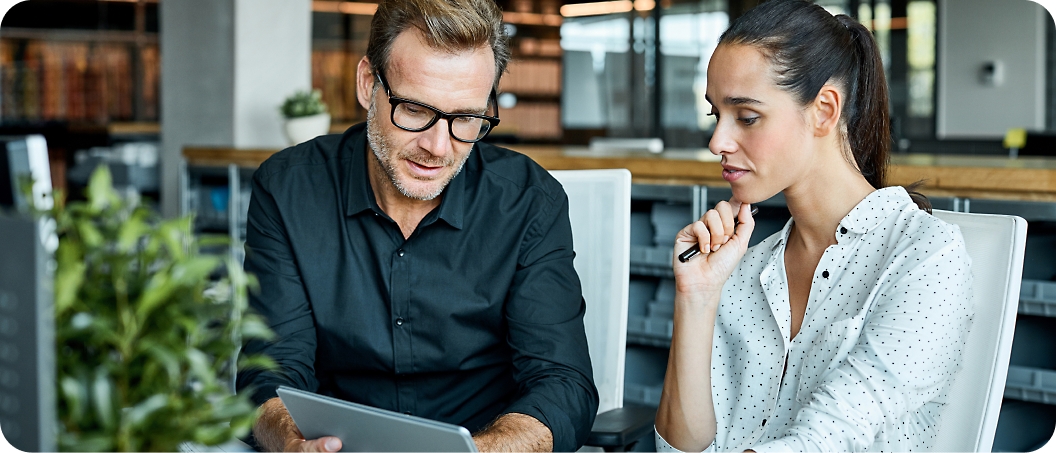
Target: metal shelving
<point x="1031" y="384"/>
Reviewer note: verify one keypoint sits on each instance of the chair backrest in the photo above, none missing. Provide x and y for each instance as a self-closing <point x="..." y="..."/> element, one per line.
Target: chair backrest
<point x="995" y="244"/>
<point x="599" y="207"/>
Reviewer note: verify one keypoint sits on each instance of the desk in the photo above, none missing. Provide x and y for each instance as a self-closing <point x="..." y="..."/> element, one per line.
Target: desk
<point x="988" y="177"/>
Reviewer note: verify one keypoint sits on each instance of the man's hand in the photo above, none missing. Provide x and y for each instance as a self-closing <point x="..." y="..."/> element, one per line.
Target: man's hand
<point x="275" y="431"/>
<point x="515" y="432"/>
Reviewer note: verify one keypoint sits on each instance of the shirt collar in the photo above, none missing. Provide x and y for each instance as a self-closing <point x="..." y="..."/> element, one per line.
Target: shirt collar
<point x="866" y="215"/>
<point x="876" y="207"/>
<point x="360" y="194"/>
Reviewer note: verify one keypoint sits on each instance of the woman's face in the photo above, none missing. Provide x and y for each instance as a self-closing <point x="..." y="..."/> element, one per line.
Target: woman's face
<point x="762" y="133"/>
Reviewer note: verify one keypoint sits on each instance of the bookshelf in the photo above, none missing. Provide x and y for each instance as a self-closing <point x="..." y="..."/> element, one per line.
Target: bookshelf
<point x="339" y="40"/>
<point x="534" y="74"/>
<point x="83" y="73"/>
<point x="71" y="61"/>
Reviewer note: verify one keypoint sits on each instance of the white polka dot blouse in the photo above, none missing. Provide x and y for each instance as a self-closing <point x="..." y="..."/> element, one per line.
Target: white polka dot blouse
<point x="881" y="340"/>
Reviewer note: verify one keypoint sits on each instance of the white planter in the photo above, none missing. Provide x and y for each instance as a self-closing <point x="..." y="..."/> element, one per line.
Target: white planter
<point x="304" y="128"/>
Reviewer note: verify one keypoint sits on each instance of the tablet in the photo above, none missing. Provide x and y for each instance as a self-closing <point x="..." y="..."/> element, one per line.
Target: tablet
<point x="365" y="428"/>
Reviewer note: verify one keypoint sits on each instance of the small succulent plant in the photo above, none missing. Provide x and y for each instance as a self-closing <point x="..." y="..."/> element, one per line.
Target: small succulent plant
<point x="303" y="103"/>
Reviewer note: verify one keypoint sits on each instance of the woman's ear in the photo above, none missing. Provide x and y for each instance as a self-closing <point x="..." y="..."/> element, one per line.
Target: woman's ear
<point x="364" y="82"/>
<point x="828" y="106"/>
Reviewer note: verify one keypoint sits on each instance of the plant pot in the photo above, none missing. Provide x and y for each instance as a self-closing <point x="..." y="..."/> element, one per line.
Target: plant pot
<point x="304" y="128"/>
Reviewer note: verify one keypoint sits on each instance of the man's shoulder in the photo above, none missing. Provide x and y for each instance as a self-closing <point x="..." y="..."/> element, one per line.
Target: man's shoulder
<point x="517" y="170"/>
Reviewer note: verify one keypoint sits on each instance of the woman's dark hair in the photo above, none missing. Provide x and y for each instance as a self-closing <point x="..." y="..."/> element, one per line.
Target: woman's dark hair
<point x="809" y="47"/>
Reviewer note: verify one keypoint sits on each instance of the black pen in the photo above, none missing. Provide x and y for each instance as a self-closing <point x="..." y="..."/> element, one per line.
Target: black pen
<point x="695" y="250"/>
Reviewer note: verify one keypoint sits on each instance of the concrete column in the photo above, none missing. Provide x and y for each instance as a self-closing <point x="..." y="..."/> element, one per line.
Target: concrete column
<point x="226" y="67"/>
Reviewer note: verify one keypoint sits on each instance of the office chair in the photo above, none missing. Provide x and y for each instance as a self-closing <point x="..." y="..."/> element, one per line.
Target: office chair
<point x="599" y="207"/>
<point x="995" y="244"/>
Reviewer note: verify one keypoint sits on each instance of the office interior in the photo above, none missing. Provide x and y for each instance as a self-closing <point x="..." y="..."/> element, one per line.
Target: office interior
<point x="181" y="100"/>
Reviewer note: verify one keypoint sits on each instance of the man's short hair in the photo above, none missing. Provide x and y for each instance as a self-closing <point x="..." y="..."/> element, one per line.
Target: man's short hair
<point x="447" y="25"/>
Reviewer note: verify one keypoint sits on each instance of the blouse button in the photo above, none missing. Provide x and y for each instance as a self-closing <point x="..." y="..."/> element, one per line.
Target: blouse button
<point x="843" y="230"/>
<point x="825" y="274"/>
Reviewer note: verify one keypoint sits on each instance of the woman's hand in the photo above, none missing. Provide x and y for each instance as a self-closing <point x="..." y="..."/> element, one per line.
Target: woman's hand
<point x="722" y="244"/>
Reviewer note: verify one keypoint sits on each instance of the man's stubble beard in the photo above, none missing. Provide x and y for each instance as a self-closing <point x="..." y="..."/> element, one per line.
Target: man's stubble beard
<point x="382" y="148"/>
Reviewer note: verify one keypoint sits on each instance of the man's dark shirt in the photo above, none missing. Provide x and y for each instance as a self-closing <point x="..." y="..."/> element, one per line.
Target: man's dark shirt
<point x="479" y="313"/>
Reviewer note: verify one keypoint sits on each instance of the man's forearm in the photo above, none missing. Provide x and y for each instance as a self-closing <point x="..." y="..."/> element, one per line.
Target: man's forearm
<point x="274" y="426"/>
<point x="515" y="432"/>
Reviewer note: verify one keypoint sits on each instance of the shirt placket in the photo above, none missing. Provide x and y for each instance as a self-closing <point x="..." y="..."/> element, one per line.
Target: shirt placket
<point x="402" y="341"/>
<point x="771" y="279"/>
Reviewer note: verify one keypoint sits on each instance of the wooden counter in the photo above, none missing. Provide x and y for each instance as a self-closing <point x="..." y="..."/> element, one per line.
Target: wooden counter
<point x="1027" y="178"/>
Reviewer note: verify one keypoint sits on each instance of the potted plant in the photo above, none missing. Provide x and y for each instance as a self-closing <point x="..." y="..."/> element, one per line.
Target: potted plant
<point x="306" y="116"/>
<point x="146" y="331"/>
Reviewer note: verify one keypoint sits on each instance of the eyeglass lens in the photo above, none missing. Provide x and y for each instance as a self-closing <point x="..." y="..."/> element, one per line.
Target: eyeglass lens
<point x="413" y="116"/>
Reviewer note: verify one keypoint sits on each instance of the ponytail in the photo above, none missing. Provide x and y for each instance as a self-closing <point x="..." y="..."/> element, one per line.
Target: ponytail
<point x="810" y="47"/>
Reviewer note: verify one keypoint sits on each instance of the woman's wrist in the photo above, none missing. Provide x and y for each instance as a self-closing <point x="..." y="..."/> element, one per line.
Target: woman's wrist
<point x="698" y="298"/>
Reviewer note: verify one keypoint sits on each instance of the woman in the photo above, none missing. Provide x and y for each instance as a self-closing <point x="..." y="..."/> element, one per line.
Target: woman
<point x="843" y="331"/>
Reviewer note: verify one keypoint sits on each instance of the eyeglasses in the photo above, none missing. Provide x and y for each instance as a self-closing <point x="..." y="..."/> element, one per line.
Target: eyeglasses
<point x="415" y="116"/>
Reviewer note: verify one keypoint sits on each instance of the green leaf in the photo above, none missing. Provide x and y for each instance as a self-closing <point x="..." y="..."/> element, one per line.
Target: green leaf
<point x="195" y="269"/>
<point x="103" y="398"/>
<point x="212" y="434"/>
<point x="68" y="277"/>
<point x="199" y="363"/>
<point x="100" y="188"/>
<point x="90" y="234"/>
<point x="131" y="231"/>
<point x="137" y="414"/>
<point x="166" y="358"/>
<point x="158" y="290"/>
<point x="253" y="328"/>
<point x="75" y="395"/>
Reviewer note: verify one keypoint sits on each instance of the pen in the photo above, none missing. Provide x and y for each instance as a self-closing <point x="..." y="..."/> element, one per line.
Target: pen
<point x="695" y="250"/>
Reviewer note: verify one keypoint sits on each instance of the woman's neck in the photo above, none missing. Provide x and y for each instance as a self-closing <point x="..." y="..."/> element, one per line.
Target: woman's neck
<point x="819" y="203"/>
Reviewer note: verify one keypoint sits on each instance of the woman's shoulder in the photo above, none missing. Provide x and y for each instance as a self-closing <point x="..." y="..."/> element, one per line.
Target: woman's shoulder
<point x="916" y="237"/>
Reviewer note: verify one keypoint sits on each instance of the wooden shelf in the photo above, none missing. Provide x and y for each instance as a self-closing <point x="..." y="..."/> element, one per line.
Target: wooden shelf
<point x="133" y="128"/>
<point x="79" y="35"/>
<point x="1028" y="179"/>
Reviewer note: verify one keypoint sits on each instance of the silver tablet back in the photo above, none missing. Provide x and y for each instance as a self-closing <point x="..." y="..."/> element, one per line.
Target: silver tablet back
<point x="365" y="428"/>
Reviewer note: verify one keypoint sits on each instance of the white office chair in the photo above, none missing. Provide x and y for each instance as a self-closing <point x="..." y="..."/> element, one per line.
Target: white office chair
<point x="599" y="207"/>
<point x="995" y="244"/>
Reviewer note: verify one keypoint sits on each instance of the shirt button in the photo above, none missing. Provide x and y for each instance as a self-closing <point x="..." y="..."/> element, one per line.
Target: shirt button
<point x="399" y="321"/>
<point x="843" y="230"/>
<point x="399" y="252"/>
<point x="825" y="274"/>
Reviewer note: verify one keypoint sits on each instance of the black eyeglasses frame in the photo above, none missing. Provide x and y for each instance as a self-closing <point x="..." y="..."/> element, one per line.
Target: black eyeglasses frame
<point x="395" y="101"/>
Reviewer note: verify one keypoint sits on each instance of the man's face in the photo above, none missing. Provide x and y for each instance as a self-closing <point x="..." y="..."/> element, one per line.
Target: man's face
<point x="421" y="164"/>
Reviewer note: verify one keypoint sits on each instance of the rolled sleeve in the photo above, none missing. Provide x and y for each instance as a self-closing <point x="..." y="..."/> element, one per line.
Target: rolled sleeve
<point x="282" y="301"/>
<point x="544" y="312"/>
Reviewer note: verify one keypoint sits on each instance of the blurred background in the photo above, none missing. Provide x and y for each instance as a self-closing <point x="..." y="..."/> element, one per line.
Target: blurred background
<point x="134" y="83"/>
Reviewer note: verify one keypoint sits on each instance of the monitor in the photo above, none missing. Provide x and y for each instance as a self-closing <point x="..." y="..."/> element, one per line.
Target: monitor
<point x="24" y="158"/>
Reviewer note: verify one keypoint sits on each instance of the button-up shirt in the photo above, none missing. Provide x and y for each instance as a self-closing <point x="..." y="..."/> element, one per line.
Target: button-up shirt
<point x="478" y="313"/>
<point x="881" y="339"/>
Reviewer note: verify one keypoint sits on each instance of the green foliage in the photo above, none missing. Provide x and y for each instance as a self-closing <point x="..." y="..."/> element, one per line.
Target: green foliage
<point x="145" y="338"/>
<point x="303" y="103"/>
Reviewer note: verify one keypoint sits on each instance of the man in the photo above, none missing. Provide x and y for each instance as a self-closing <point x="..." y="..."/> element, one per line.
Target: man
<point x="406" y="266"/>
